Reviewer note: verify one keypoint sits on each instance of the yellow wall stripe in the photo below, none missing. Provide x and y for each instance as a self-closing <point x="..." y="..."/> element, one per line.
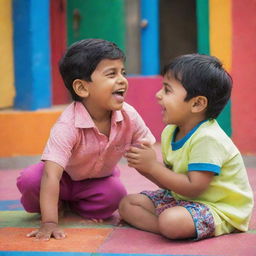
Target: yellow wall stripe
<point x="7" y="89"/>
<point x="221" y="31"/>
<point x="220" y="23"/>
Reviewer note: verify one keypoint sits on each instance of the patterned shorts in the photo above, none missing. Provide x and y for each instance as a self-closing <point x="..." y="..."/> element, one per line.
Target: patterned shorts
<point x="202" y="217"/>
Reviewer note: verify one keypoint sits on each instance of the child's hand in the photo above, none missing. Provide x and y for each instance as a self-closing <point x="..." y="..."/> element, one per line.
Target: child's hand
<point x="141" y="157"/>
<point x="48" y="230"/>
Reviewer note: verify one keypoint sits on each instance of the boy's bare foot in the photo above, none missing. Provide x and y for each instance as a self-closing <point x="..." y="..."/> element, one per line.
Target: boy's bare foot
<point x="97" y="220"/>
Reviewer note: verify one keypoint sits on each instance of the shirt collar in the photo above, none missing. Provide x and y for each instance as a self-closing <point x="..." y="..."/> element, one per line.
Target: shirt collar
<point x="179" y="144"/>
<point x="84" y="120"/>
<point x="117" y="116"/>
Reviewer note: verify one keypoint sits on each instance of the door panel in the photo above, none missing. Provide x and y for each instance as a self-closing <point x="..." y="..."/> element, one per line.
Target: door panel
<point x="96" y="19"/>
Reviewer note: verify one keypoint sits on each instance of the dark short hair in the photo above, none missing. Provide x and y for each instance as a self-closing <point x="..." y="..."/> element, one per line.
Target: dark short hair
<point x="81" y="59"/>
<point x="202" y="75"/>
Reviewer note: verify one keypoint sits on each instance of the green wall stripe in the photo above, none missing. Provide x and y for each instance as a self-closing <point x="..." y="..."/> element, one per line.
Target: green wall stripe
<point x="224" y="119"/>
<point x="202" y="14"/>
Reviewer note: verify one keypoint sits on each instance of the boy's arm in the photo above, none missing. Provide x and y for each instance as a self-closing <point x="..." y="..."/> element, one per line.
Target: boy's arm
<point x="151" y="178"/>
<point x="49" y="198"/>
<point x="191" y="185"/>
<point x="49" y="191"/>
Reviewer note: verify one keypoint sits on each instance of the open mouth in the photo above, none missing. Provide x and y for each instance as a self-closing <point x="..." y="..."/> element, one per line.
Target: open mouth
<point x="119" y="92"/>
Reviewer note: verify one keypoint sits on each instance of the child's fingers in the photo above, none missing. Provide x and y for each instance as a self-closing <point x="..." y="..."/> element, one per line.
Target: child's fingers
<point x="132" y="162"/>
<point x="137" y="147"/>
<point x="97" y="220"/>
<point x="145" y="145"/>
<point x="32" y="233"/>
<point x="59" y="234"/>
<point x="130" y="155"/>
<point x="43" y="236"/>
<point x="134" y="149"/>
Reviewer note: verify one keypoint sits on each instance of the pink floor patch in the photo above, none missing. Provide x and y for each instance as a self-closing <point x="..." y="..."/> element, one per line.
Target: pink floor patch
<point x="136" y="241"/>
<point x="111" y="237"/>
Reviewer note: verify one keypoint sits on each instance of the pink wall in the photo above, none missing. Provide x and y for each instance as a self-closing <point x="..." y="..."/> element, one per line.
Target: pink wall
<point x="244" y="75"/>
<point x="141" y="95"/>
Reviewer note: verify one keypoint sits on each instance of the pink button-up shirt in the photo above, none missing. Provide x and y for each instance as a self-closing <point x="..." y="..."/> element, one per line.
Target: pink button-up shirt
<point x="76" y="144"/>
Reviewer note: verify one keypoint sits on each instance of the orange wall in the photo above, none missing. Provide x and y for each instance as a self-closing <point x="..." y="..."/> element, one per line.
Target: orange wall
<point x="25" y="133"/>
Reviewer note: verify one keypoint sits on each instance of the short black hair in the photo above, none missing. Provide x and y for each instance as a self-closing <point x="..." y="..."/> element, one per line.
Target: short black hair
<point x="81" y="59"/>
<point x="202" y="75"/>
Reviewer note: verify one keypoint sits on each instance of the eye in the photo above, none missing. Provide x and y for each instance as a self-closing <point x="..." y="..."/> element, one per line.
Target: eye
<point x="167" y="90"/>
<point x="111" y="74"/>
<point x="124" y="73"/>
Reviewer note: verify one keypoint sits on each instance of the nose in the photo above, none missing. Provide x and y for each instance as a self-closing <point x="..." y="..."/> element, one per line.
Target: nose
<point x="158" y="95"/>
<point x="122" y="79"/>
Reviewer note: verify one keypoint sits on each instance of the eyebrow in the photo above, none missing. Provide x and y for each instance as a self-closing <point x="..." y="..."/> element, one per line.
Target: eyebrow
<point x="111" y="69"/>
<point x="167" y="85"/>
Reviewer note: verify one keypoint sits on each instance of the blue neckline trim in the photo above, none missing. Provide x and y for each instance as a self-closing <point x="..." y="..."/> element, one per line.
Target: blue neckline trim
<point x="178" y="144"/>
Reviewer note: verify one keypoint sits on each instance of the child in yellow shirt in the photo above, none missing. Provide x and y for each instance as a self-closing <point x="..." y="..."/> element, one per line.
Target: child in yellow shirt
<point x="204" y="189"/>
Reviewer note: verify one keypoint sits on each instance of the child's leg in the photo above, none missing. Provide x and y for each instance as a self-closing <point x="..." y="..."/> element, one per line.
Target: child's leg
<point x="158" y="212"/>
<point x="176" y="223"/>
<point x="97" y="198"/>
<point x="28" y="184"/>
<point x="139" y="211"/>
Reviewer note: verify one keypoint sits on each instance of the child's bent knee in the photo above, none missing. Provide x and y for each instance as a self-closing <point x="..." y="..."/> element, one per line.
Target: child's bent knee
<point x="127" y="200"/>
<point x="175" y="225"/>
<point x="30" y="177"/>
<point x="124" y="204"/>
<point x="127" y="203"/>
<point x="115" y="195"/>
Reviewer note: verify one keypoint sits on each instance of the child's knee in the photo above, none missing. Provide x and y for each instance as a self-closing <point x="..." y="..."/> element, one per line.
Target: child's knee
<point x="30" y="178"/>
<point x="126" y="203"/>
<point x="114" y="192"/>
<point x="168" y="227"/>
<point x="174" y="224"/>
<point x="123" y="203"/>
<point x="113" y="199"/>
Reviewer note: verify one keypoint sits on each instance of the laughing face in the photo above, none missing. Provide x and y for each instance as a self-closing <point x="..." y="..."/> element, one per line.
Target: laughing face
<point x="171" y="98"/>
<point x="107" y="90"/>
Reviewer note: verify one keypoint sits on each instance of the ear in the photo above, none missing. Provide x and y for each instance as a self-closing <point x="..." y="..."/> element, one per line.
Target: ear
<point x="81" y="88"/>
<point x="199" y="104"/>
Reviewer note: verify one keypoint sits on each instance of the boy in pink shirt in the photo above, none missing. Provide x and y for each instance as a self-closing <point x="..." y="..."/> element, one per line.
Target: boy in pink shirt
<point x="79" y="163"/>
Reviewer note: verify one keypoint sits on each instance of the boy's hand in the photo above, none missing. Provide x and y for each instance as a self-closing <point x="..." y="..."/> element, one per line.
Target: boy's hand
<point x="141" y="157"/>
<point x="48" y="230"/>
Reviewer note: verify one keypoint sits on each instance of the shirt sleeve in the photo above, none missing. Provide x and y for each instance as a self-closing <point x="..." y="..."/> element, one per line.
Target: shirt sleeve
<point x="141" y="131"/>
<point x="207" y="154"/>
<point x="60" y="144"/>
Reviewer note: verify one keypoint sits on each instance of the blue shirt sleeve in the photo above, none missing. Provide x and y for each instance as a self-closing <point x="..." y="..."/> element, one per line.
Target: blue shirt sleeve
<point x="204" y="167"/>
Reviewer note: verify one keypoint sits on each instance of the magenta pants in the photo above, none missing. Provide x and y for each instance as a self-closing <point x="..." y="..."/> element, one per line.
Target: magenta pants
<point x="90" y="198"/>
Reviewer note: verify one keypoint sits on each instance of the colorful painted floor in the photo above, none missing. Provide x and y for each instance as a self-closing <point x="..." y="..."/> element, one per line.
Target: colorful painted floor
<point x="108" y="238"/>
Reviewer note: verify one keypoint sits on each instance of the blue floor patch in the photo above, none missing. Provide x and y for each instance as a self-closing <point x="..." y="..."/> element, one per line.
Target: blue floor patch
<point x="10" y="205"/>
<point x="21" y="253"/>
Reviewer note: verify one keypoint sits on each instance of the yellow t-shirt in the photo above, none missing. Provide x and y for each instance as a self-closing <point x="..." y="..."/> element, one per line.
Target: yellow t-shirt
<point x="207" y="148"/>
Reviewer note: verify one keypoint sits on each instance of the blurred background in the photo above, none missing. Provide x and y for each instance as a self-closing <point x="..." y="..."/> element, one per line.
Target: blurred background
<point x="35" y="33"/>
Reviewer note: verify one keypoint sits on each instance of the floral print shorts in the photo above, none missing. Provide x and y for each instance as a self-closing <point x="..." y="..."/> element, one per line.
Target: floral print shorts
<point x="202" y="217"/>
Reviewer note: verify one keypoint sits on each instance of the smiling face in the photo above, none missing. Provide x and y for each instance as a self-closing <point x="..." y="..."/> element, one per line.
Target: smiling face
<point x="107" y="89"/>
<point x="171" y="98"/>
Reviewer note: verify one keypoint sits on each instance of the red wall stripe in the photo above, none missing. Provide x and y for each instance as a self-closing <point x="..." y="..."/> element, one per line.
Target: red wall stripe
<point x="58" y="46"/>
<point x="244" y="75"/>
